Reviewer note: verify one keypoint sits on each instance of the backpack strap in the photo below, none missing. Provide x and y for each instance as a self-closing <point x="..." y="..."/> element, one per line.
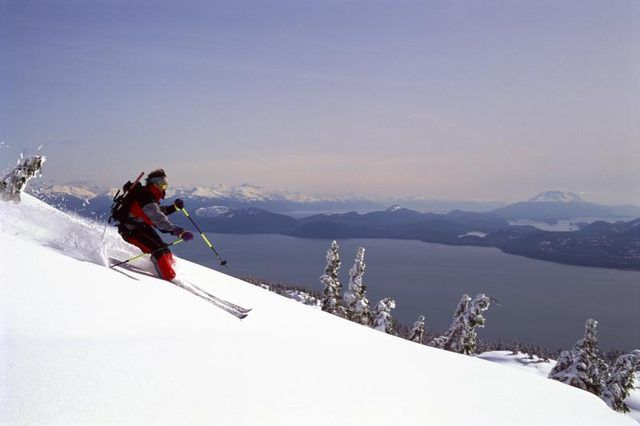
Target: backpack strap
<point x="119" y="200"/>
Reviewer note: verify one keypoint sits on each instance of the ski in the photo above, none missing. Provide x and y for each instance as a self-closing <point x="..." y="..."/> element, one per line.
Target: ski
<point x="225" y="305"/>
<point x="219" y="300"/>
<point x="216" y="301"/>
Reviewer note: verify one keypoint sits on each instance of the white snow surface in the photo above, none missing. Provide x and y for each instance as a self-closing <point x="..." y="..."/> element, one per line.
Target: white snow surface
<point x="520" y="362"/>
<point x="537" y="366"/>
<point x="84" y="344"/>
<point x="633" y="402"/>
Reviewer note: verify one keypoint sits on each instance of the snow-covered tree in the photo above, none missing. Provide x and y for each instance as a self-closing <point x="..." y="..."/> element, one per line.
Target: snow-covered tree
<point x="582" y="366"/>
<point x="621" y="381"/>
<point x="461" y="336"/>
<point x="356" y="302"/>
<point x="383" y="320"/>
<point x="417" y="331"/>
<point x="14" y="182"/>
<point x="332" y="288"/>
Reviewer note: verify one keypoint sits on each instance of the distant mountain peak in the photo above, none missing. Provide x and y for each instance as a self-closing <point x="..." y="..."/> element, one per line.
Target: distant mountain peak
<point x="78" y="191"/>
<point x="394" y="208"/>
<point x="557" y="197"/>
<point x="212" y="211"/>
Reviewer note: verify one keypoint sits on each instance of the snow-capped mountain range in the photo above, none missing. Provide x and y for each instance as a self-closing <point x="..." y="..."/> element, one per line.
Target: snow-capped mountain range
<point x="253" y="193"/>
<point x="246" y="193"/>
<point x="95" y="200"/>
<point x="548" y="207"/>
<point x="552" y="207"/>
<point x="82" y="192"/>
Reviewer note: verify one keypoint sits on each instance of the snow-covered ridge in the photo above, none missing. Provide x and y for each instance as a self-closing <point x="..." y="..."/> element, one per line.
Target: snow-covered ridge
<point x="213" y="211"/>
<point x="244" y="192"/>
<point x="557" y="196"/>
<point x="197" y="191"/>
<point x="76" y="191"/>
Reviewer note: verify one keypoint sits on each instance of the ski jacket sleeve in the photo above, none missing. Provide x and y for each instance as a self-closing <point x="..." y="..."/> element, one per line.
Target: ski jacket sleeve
<point x="159" y="219"/>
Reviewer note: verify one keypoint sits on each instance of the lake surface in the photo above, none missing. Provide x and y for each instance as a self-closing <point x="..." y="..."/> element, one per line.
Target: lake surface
<point x="540" y="303"/>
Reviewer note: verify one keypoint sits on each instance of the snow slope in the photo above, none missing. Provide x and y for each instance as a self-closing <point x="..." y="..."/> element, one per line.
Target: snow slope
<point x="83" y="344"/>
<point x="537" y="366"/>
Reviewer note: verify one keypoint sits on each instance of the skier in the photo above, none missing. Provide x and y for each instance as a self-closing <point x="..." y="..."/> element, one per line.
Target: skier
<point x="145" y="213"/>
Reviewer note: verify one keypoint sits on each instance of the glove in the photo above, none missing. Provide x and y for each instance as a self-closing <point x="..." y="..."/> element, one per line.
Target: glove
<point x="187" y="236"/>
<point x="177" y="231"/>
<point x="178" y="204"/>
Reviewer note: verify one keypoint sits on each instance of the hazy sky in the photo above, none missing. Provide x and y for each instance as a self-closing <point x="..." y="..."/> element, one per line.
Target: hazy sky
<point x="486" y="100"/>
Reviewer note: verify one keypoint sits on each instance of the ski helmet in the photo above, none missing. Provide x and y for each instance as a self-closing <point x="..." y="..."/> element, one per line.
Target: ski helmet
<point x="159" y="177"/>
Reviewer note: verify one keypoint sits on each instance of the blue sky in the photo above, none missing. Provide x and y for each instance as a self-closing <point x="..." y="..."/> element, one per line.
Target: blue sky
<point x="488" y="100"/>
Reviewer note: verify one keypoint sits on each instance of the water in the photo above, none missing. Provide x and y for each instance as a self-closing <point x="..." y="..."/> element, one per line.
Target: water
<point x="540" y="303"/>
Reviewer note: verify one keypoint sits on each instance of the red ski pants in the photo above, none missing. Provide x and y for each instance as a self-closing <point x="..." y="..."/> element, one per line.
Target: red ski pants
<point x="146" y="239"/>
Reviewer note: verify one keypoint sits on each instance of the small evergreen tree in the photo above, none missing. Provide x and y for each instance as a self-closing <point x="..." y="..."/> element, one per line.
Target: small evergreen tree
<point x="417" y="332"/>
<point x="356" y="302"/>
<point x="383" y="320"/>
<point x="461" y="336"/>
<point x="13" y="183"/>
<point x="582" y="366"/>
<point x="515" y="348"/>
<point x="332" y="288"/>
<point x="620" y="382"/>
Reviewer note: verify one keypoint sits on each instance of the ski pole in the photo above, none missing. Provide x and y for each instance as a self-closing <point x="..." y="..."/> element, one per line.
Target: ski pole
<point x="179" y="240"/>
<point x="204" y="237"/>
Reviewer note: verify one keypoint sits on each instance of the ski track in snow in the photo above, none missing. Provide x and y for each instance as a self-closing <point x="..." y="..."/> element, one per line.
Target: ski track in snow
<point x="82" y="344"/>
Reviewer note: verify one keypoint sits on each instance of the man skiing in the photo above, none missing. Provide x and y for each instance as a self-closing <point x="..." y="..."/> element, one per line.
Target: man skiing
<point x="144" y="213"/>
